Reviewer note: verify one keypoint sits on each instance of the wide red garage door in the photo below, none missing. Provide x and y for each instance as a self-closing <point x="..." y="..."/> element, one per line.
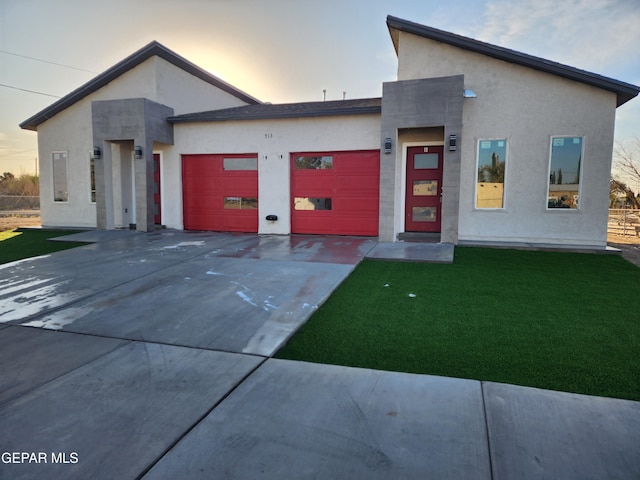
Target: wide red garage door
<point x="335" y="192"/>
<point x="220" y="192"/>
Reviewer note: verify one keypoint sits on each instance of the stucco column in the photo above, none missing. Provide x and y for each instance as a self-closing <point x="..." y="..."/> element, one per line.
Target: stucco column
<point x="144" y="185"/>
<point x="100" y="173"/>
<point x="451" y="183"/>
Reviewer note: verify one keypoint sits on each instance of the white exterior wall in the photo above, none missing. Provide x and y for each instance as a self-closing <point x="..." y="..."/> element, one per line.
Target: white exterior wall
<point x="71" y="131"/>
<point x="188" y="94"/>
<point x="527" y="107"/>
<point x="273" y="141"/>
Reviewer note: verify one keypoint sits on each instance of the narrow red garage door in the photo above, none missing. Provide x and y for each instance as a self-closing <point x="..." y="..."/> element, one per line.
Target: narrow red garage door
<point x="335" y="192"/>
<point x="220" y="192"/>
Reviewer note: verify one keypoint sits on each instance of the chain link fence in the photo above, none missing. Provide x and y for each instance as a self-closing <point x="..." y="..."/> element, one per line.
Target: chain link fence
<point x="624" y="222"/>
<point x="19" y="204"/>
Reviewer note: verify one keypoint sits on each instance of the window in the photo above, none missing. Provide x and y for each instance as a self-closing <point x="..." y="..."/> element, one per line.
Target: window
<point x="312" y="203"/>
<point x="59" y="166"/>
<point x="564" y="172"/>
<point x="425" y="161"/>
<point x="425" y="188"/>
<point x="92" y="179"/>
<point x="314" y="163"/>
<point x="240" y="163"/>
<point x="241" y="203"/>
<point x="424" y="214"/>
<point x="492" y="158"/>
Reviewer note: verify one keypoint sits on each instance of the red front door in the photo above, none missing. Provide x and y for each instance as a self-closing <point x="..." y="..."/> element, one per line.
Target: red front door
<point x="157" y="213"/>
<point x="424" y="189"/>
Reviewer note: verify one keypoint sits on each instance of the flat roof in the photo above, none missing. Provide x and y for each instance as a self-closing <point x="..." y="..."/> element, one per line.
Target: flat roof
<point x="624" y="91"/>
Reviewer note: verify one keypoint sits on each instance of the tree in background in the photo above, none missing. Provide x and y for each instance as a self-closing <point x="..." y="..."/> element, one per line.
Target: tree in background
<point x="19" y="193"/>
<point x="24" y="185"/>
<point x="621" y="195"/>
<point x="626" y="159"/>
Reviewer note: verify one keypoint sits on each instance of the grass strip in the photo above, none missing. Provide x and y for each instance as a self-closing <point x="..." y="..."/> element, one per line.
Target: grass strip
<point x="559" y="321"/>
<point x="25" y="243"/>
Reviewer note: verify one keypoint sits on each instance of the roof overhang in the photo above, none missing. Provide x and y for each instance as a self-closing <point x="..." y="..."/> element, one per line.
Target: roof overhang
<point x="266" y="111"/>
<point x="624" y="91"/>
<point x="152" y="49"/>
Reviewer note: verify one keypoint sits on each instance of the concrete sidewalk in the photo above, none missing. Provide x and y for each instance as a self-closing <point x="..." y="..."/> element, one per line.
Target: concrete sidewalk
<point x="149" y="356"/>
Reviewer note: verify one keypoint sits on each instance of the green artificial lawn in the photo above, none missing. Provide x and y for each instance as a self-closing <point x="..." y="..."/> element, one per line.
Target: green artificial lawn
<point x="560" y="321"/>
<point x="24" y="243"/>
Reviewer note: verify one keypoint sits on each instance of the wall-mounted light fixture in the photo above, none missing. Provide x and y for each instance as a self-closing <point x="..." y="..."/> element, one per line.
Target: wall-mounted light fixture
<point x="387" y="145"/>
<point x="272" y="218"/>
<point x="453" y="141"/>
<point x="468" y="93"/>
<point x="137" y="152"/>
<point x="97" y="153"/>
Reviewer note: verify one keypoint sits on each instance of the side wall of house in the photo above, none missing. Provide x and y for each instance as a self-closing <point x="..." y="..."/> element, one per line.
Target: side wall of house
<point x="526" y="107"/>
<point x="273" y="141"/>
<point x="70" y="131"/>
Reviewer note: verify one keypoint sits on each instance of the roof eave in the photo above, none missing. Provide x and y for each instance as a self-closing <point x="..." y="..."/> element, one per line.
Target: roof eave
<point x="152" y="49"/>
<point x="275" y="116"/>
<point x="624" y="91"/>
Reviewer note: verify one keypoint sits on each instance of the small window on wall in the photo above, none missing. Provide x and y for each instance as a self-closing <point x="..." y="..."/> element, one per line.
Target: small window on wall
<point x="492" y="158"/>
<point x="312" y="203"/>
<point x="240" y="163"/>
<point x="314" y="163"/>
<point x="241" y="203"/>
<point x="564" y="173"/>
<point x="92" y="179"/>
<point x="59" y="167"/>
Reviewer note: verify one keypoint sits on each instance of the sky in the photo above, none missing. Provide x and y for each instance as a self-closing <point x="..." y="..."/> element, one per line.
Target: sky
<point x="287" y="50"/>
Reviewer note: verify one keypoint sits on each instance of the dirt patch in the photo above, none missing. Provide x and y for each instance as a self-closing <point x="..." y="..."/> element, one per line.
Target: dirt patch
<point x="628" y="244"/>
<point x="9" y="223"/>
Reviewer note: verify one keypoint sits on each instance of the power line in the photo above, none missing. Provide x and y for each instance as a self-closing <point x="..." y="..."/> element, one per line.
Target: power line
<point x="46" y="61"/>
<point x="29" y="91"/>
<point x="17" y="153"/>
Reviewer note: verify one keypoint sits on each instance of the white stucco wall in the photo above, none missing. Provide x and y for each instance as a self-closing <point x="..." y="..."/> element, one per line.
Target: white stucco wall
<point x="71" y="131"/>
<point x="68" y="131"/>
<point x="273" y="141"/>
<point x="186" y="93"/>
<point x="527" y="107"/>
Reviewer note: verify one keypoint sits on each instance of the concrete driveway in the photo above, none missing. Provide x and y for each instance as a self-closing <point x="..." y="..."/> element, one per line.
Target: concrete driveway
<point x="232" y="293"/>
<point x="148" y="356"/>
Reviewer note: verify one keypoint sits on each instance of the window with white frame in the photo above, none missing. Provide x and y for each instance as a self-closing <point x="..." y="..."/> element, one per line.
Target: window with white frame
<point x="492" y="160"/>
<point x="60" y="182"/>
<point x="565" y="170"/>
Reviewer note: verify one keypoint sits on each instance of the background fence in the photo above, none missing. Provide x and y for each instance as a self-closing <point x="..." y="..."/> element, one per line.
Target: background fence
<point x="624" y="222"/>
<point x="19" y="203"/>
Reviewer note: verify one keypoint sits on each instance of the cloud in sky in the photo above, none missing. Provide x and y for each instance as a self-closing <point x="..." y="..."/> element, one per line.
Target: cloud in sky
<point x="595" y="35"/>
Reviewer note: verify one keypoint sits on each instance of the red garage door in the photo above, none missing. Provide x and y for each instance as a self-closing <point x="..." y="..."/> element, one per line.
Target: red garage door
<point x="335" y="192"/>
<point x="220" y="192"/>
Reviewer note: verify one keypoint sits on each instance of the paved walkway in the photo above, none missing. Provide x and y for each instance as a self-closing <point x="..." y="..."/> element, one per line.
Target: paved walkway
<point x="149" y="356"/>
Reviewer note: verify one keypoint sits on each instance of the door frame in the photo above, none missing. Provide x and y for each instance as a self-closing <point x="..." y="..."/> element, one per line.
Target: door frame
<point x="403" y="176"/>
<point x="160" y="186"/>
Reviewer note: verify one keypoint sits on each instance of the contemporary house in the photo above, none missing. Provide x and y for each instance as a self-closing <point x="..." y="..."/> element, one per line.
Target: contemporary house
<point x="474" y="143"/>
